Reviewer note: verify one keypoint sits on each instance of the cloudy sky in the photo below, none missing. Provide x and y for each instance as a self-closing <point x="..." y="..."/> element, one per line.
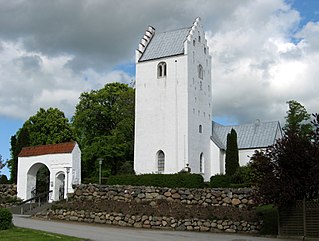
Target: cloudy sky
<point x="264" y="53"/>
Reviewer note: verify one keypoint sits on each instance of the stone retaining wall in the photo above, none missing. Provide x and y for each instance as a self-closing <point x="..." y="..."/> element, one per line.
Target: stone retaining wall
<point x="241" y="198"/>
<point x="154" y="222"/>
<point x="207" y="210"/>
<point x="8" y="194"/>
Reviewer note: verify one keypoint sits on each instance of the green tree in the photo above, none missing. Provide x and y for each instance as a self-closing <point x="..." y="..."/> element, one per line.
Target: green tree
<point x="16" y="146"/>
<point x="2" y="164"/>
<point x="3" y="178"/>
<point x="297" y="119"/>
<point x="104" y="126"/>
<point x="231" y="159"/>
<point x="45" y="127"/>
<point x="288" y="170"/>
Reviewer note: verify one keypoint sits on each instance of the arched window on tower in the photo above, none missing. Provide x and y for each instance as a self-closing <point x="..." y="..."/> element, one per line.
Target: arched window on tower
<point x="200" y="129"/>
<point x="201" y="163"/>
<point x="160" y="161"/>
<point x="200" y="71"/>
<point x="161" y="70"/>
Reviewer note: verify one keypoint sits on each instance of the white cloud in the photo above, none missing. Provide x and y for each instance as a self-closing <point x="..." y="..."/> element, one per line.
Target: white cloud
<point x="256" y="65"/>
<point x="30" y="80"/>
<point x="51" y="51"/>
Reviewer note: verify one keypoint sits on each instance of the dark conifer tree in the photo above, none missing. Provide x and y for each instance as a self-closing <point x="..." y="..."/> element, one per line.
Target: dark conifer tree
<point x="232" y="159"/>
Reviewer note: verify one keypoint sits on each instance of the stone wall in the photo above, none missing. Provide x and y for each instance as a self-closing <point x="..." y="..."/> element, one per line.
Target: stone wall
<point x="8" y="194"/>
<point x="229" y="210"/>
<point x="241" y="198"/>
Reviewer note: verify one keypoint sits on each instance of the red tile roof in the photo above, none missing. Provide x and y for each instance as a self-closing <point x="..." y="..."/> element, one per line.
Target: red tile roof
<point x="66" y="147"/>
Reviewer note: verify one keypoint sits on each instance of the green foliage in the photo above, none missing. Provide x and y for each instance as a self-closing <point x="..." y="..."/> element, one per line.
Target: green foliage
<point x="5" y="219"/>
<point x="3" y="179"/>
<point x="297" y="119"/>
<point x="269" y="215"/>
<point x="288" y="170"/>
<point x="242" y="176"/>
<point x="231" y="159"/>
<point x="42" y="181"/>
<point x="220" y="181"/>
<point x="185" y="180"/>
<point x="45" y="127"/>
<point x="104" y="127"/>
<point x="2" y="163"/>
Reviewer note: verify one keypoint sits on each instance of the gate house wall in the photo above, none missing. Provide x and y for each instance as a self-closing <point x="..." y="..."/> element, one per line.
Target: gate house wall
<point x="57" y="163"/>
<point x="300" y="219"/>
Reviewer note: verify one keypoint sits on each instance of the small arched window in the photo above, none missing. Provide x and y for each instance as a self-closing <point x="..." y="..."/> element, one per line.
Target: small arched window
<point x="161" y="70"/>
<point x="198" y="36"/>
<point x="200" y="71"/>
<point x="194" y="42"/>
<point x="204" y="50"/>
<point x="160" y="161"/>
<point x="200" y="129"/>
<point x="201" y="163"/>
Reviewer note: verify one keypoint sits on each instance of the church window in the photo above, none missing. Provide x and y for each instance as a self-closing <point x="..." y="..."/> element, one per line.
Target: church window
<point x="201" y="162"/>
<point x="201" y="85"/>
<point x="198" y="36"/>
<point x="160" y="161"/>
<point x="161" y="70"/>
<point x="194" y="42"/>
<point x="200" y="71"/>
<point x="204" y="50"/>
<point x="200" y="129"/>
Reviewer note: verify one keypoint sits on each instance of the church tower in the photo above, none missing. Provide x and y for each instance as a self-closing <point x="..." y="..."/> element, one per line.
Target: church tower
<point x="173" y="119"/>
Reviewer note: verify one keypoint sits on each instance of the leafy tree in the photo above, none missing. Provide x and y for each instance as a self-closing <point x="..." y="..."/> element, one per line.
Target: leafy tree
<point x="297" y="119"/>
<point x="288" y="170"/>
<point x="104" y="126"/>
<point x="16" y="146"/>
<point x="45" y="127"/>
<point x="3" y="178"/>
<point x="2" y="164"/>
<point x="231" y="159"/>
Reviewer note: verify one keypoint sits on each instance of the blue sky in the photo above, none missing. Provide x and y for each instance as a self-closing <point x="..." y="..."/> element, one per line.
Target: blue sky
<point x="264" y="53"/>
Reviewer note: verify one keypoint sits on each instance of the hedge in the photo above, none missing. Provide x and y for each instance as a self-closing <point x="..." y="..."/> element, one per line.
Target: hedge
<point x="220" y="181"/>
<point x="181" y="180"/>
<point x="5" y="219"/>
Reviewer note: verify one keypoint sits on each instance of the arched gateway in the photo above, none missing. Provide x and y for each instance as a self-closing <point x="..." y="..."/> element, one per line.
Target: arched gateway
<point x="63" y="162"/>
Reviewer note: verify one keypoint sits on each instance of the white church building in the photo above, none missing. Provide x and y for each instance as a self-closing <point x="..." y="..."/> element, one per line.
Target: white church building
<point x="173" y="112"/>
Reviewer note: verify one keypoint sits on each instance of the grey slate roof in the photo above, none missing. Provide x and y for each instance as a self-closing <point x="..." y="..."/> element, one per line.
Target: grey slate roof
<point x="249" y="136"/>
<point x="166" y="44"/>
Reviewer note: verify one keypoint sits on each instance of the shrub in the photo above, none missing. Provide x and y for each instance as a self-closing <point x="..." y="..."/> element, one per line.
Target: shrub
<point x="242" y="176"/>
<point x="219" y="181"/>
<point x="185" y="180"/>
<point x="269" y="215"/>
<point x="5" y="219"/>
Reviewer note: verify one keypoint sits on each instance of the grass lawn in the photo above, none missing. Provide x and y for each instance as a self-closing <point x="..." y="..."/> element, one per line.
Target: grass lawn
<point x="22" y="234"/>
